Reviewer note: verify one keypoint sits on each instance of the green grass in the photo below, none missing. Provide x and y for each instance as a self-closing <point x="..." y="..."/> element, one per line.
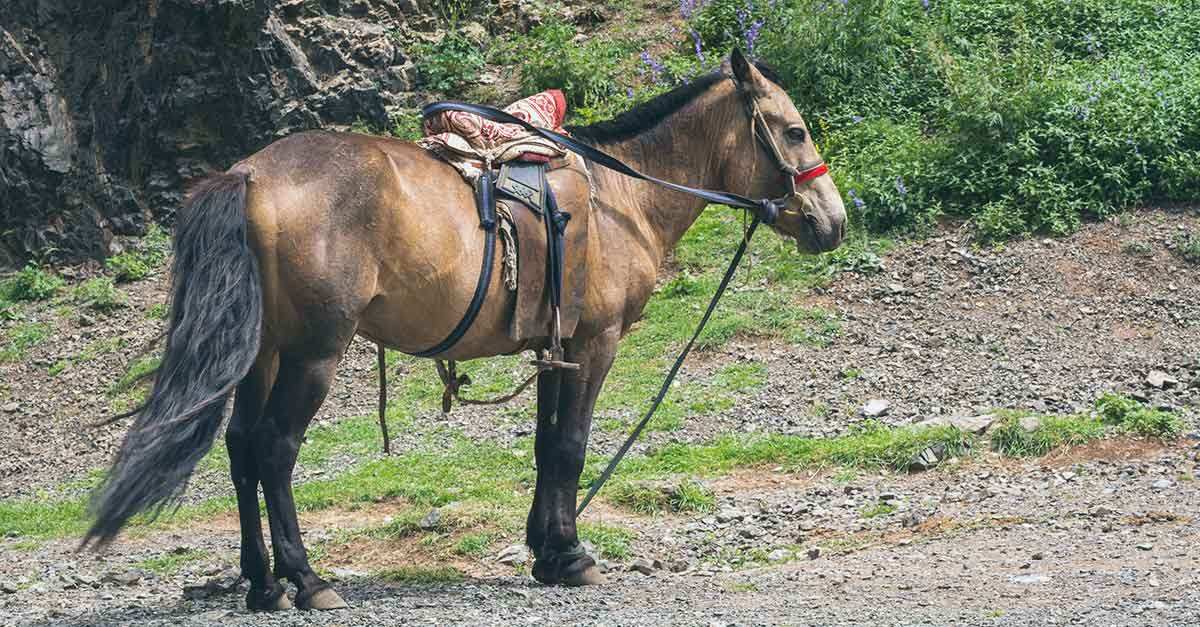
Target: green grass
<point x="684" y="496"/>
<point x="17" y="340"/>
<point x="475" y="544"/>
<point x="148" y="255"/>
<point x="138" y="372"/>
<point x="421" y="575"/>
<point x="158" y="311"/>
<point x="1112" y="412"/>
<point x="169" y="563"/>
<point x="610" y="541"/>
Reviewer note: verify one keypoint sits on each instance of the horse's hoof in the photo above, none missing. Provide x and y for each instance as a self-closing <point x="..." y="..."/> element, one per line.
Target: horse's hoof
<point x="566" y="569"/>
<point x="590" y="576"/>
<point x="268" y="601"/>
<point x="324" y="598"/>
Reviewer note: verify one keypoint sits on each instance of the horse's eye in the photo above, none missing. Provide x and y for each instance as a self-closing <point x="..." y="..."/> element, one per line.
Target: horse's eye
<point x="797" y="134"/>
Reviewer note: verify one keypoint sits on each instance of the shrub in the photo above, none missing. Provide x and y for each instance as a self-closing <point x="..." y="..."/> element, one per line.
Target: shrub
<point x="1187" y="245"/>
<point x="1023" y="116"/>
<point x="99" y="294"/>
<point x="587" y="73"/>
<point x="451" y="63"/>
<point x="31" y="283"/>
<point x="1136" y="418"/>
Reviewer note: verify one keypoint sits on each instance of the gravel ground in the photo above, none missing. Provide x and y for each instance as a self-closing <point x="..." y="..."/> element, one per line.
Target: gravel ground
<point x="1102" y="535"/>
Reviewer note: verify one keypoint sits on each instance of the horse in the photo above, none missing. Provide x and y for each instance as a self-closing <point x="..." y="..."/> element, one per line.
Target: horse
<point x="283" y="259"/>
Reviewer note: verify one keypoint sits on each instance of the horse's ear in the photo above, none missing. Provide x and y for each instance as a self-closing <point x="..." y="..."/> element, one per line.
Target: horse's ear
<point x="744" y="73"/>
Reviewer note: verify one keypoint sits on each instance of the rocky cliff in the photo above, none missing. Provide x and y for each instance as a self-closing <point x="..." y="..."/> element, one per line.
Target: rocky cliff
<point x="109" y="108"/>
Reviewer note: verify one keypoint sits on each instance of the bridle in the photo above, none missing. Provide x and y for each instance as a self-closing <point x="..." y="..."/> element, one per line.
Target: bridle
<point x="795" y="176"/>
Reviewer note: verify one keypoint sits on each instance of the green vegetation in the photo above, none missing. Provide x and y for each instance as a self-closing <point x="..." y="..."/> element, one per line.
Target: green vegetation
<point x="1022" y="115"/>
<point x="610" y="541"/>
<point x="158" y="311"/>
<point x="685" y="496"/>
<point x="149" y="254"/>
<point x="450" y="64"/>
<point x="32" y="283"/>
<point x="876" y="510"/>
<point x="1136" y="418"/>
<point x="93" y="350"/>
<point x="169" y="563"/>
<point x="20" y="338"/>
<point x="99" y="294"/>
<point x="475" y="544"/>
<point x="1112" y="411"/>
<point x="421" y="575"/>
<point x="1187" y="245"/>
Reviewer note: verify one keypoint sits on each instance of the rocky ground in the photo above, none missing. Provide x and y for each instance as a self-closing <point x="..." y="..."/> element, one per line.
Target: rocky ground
<point x="1095" y="535"/>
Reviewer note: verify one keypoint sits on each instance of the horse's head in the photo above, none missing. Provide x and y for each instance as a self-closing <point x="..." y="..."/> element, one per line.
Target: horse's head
<point x="776" y="156"/>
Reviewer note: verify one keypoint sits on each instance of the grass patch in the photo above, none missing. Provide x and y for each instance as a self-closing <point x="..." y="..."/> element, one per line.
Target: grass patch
<point x="475" y="544"/>
<point x="610" y="541"/>
<point x="1011" y="438"/>
<point x="169" y="563"/>
<point x="139" y="371"/>
<point x="876" y="510"/>
<point x="685" y="496"/>
<point x="144" y="258"/>
<point x="158" y="311"/>
<point x="421" y="575"/>
<point x="16" y="341"/>
<point x="99" y="294"/>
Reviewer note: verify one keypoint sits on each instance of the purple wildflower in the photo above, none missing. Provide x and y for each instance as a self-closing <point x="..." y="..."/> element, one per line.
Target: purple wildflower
<point x="856" y="118"/>
<point x="656" y="68"/>
<point x="629" y="93"/>
<point x="699" y="46"/>
<point x="752" y="36"/>
<point x="858" y="202"/>
<point x="925" y="5"/>
<point x="900" y="188"/>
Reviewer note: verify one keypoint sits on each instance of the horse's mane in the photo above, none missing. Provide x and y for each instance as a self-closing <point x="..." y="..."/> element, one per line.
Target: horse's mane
<point x="649" y="114"/>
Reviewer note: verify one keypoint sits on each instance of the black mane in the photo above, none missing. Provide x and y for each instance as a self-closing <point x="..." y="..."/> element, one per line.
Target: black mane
<point x="649" y="114"/>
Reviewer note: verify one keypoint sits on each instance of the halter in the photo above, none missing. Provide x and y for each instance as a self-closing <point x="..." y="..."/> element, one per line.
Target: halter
<point x="796" y="176"/>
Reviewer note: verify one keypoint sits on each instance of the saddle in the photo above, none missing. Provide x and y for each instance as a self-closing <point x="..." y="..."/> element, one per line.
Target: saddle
<point x="523" y="183"/>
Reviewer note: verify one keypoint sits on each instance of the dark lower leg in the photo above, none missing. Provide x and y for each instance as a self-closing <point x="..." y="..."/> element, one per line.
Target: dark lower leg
<point x="265" y="592"/>
<point x="561" y="446"/>
<point x="298" y="393"/>
<point x="537" y="524"/>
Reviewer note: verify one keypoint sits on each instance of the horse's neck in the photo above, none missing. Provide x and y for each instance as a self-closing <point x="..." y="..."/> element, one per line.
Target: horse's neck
<point x="682" y="151"/>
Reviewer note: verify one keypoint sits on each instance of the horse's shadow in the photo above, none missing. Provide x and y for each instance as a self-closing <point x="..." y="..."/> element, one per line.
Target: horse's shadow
<point x="231" y="606"/>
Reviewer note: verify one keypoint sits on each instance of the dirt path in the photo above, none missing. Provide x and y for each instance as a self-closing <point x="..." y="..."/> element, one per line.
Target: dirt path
<point x="1105" y="534"/>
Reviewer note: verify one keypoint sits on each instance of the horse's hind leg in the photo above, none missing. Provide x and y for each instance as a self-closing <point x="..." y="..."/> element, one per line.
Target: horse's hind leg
<point x="265" y="591"/>
<point x="299" y="390"/>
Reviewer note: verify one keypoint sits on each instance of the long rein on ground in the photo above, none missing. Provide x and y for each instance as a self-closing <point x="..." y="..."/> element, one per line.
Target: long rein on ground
<point x="765" y="211"/>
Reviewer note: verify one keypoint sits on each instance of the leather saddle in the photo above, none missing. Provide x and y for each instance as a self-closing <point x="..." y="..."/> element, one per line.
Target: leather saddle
<point x="551" y="244"/>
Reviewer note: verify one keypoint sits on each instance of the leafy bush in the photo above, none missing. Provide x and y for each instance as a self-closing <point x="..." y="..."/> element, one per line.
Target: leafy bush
<point x="1136" y="418"/>
<point x="587" y="73"/>
<point x="1024" y="116"/>
<point x="31" y="283"/>
<point x="451" y="63"/>
<point x="99" y="294"/>
<point x="1187" y="245"/>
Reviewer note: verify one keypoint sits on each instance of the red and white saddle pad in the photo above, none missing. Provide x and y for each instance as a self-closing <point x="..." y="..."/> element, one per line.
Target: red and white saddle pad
<point x="467" y="140"/>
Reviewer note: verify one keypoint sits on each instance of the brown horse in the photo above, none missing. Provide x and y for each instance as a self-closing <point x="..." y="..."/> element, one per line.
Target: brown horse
<point x="283" y="259"/>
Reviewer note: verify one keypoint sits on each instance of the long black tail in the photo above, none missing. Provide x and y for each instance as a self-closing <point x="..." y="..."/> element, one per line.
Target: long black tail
<point x="212" y="341"/>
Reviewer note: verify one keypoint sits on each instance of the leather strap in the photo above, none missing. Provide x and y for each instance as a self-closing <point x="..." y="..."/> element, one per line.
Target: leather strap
<point x="662" y="391"/>
<point x="766" y="210"/>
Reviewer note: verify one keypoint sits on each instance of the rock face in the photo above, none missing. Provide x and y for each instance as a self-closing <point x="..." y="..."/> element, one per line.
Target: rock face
<point x="110" y="108"/>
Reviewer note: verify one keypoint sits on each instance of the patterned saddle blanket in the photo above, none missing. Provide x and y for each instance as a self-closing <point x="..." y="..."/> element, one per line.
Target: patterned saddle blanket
<point x="467" y="141"/>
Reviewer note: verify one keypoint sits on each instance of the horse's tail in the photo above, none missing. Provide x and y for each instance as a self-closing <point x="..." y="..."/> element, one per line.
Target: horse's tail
<point x="212" y="342"/>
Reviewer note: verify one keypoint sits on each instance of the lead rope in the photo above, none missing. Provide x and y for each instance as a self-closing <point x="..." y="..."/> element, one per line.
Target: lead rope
<point x="662" y="392"/>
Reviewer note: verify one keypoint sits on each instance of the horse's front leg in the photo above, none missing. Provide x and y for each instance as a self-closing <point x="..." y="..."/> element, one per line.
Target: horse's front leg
<point x="565" y="403"/>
